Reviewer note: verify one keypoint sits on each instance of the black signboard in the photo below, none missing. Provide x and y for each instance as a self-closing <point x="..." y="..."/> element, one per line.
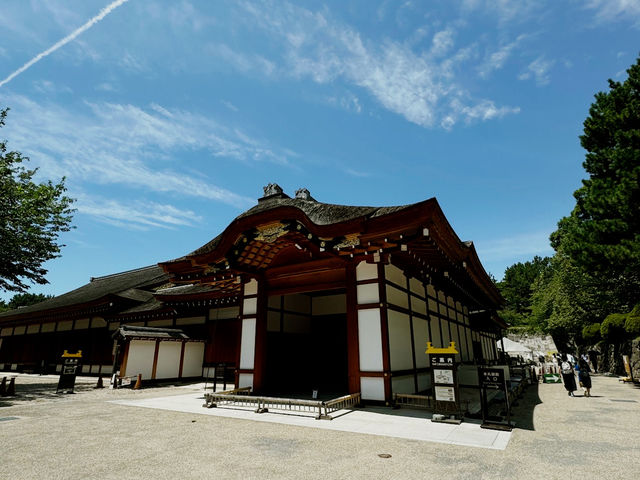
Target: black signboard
<point x="493" y="379"/>
<point x="70" y="368"/>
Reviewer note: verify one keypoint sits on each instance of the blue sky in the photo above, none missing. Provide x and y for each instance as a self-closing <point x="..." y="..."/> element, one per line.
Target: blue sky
<point x="168" y="117"/>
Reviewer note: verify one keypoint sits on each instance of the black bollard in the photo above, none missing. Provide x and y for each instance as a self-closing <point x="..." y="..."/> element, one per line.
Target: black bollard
<point x="11" y="389"/>
<point x="3" y="387"/>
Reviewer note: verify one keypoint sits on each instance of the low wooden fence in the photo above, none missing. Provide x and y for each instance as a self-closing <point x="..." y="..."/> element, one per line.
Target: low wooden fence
<point x="242" y="397"/>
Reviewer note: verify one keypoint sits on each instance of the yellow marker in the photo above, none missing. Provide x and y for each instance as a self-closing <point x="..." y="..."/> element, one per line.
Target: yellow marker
<point x="450" y="349"/>
<point x="66" y="354"/>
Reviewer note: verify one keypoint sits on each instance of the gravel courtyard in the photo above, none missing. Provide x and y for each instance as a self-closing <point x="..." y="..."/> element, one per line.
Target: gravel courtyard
<point x="85" y="435"/>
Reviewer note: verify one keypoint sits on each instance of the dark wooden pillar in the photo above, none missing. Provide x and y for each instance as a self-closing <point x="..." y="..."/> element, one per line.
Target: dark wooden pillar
<point x="384" y="325"/>
<point x="260" y="359"/>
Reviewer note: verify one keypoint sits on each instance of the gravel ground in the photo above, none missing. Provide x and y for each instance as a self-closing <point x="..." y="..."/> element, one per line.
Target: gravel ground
<point x="81" y="436"/>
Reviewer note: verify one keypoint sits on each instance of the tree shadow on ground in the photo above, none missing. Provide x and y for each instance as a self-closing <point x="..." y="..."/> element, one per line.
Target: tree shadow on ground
<point x="522" y="410"/>
<point x="46" y="391"/>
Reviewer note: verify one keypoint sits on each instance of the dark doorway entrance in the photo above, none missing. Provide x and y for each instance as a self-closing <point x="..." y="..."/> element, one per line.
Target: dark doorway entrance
<point x="307" y="346"/>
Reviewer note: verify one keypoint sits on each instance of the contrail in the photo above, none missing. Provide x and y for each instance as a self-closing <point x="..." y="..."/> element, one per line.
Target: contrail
<point x="103" y="13"/>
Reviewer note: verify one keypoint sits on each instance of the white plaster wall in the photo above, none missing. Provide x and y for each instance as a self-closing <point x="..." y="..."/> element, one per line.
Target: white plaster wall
<point x="193" y="356"/>
<point x="435" y="332"/>
<point x="251" y="287"/>
<point x="245" y="380"/>
<point x="372" y="388"/>
<point x="403" y="384"/>
<point x="329" y="305"/>
<point x="86" y="368"/>
<point x="33" y="329"/>
<point x="366" y="271"/>
<point x="445" y="333"/>
<point x="248" y="343"/>
<point x="456" y="338"/>
<point x="421" y="337"/>
<point x="81" y="324"/>
<point x="367" y="293"/>
<point x="395" y="275"/>
<point x="418" y="305"/>
<point x="397" y="297"/>
<point x="98" y="322"/>
<point x="5" y="332"/>
<point x="22" y="329"/>
<point x="399" y="341"/>
<point x="370" y="340"/>
<point x="416" y="287"/>
<point x="249" y="306"/>
<point x="168" y="365"/>
<point x="431" y="291"/>
<point x="433" y="305"/>
<point x="140" y="358"/>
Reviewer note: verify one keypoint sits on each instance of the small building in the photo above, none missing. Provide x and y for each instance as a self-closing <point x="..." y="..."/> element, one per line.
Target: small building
<point x="296" y="295"/>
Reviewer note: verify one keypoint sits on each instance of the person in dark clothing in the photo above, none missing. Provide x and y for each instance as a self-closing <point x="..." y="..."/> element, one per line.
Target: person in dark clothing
<point x="568" y="377"/>
<point x="585" y="378"/>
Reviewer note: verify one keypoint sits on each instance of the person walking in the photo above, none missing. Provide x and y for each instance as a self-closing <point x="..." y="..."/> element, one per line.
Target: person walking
<point x="568" y="377"/>
<point x="584" y="378"/>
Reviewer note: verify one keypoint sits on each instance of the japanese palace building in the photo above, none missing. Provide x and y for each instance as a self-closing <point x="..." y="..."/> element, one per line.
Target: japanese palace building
<point x="294" y="295"/>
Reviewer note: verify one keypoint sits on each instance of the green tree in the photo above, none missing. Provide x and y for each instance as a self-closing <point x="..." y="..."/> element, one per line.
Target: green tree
<point x="602" y="234"/>
<point x="516" y="288"/>
<point x="22" y="300"/>
<point x="32" y="215"/>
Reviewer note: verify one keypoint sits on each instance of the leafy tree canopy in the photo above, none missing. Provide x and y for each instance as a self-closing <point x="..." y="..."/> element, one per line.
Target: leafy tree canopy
<point x="22" y="300"/>
<point x="32" y="215"/>
<point x="602" y="234"/>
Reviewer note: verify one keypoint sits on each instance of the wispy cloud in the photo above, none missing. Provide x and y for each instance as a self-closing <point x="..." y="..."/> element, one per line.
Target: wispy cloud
<point x="128" y="146"/>
<point x="496" y="59"/>
<point x="138" y="215"/>
<point x="60" y="43"/>
<point x="615" y="10"/>
<point x="421" y="86"/>
<point x="539" y="70"/>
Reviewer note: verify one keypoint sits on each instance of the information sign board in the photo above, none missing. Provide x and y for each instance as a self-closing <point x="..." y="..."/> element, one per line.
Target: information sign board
<point x="70" y="368"/>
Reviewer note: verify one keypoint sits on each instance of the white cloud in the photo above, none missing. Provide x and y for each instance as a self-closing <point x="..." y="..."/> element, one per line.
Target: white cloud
<point x="615" y="10"/>
<point x="229" y="105"/>
<point x="539" y="70"/>
<point x="106" y="87"/>
<point x="47" y="86"/>
<point x="240" y="61"/>
<point x="505" y="10"/>
<point x="497" y="59"/>
<point x="125" y="145"/>
<point x="419" y="86"/>
<point x="139" y="215"/>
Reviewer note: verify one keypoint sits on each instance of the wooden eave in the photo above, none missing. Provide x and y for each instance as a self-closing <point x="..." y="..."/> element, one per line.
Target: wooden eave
<point x="420" y="228"/>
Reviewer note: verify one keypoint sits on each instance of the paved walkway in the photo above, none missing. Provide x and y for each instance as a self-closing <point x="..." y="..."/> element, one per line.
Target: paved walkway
<point x="408" y="424"/>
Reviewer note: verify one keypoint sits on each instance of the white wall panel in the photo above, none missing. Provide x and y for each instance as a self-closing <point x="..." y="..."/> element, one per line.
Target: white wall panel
<point x="81" y="324"/>
<point x="5" y="332"/>
<point x="445" y="333"/>
<point x="418" y="305"/>
<point x="33" y="328"/>
<point x="251" y="287"/>
<point x="395" y="275"/>
<point x="372" y="388"/>
<point x="245" y="380"/>
<point x="165" y="322"/>
<point x="368" y="293"/>
<point x="192" y="362"/>
<point x="433" y="305"/>
<point x="20" y="330"/>
<point x="435" y="332"/>
<point x="98" y="322"/>
<point x="366" y="271"/>
<point x="399" y="341"/>
<point x="416" y="287"/>
<point x="370" y="340"/>
<point x="248" y="343"/>
<point x="421" y="337"/>
<point x="168" y="365"/>
<point x="249" y="306"/>
<point x="140" y="358"/>
<point x="64" y="325"/>
<point x="397" y="297"/>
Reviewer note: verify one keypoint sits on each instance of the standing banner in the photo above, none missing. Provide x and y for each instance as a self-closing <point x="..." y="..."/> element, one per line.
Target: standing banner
<point x="493" y="379"/>
<point x="444" y="380"/>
